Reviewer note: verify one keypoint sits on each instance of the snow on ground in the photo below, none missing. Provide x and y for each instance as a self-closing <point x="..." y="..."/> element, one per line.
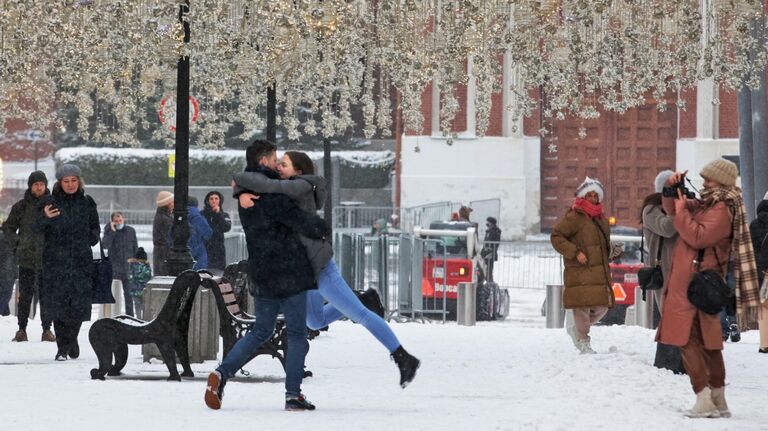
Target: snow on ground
<point x="511" y="375"/>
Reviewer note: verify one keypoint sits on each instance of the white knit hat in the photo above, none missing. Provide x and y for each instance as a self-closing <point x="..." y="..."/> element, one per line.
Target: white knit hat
<point x="723" y="171"/>
<point x="661" y="179"/>
<point x="765" y="198"/>
<point x="590" y="185"/>
<point x="164" y="198"/>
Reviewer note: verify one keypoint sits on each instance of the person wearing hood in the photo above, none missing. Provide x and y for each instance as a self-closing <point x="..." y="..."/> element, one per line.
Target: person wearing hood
<point x="759" y="232"/>
<point x="161" y="225"/>
<point x="199" y="232"/>
<point x="583" y="237"/>
<point x="69" y="223"/>
<point x="713" y="235"/>
<point x="220" y="223"/>
<point x="28" y="246"/>
<point x="308" y="190"/>
<point x="120" y="240"/>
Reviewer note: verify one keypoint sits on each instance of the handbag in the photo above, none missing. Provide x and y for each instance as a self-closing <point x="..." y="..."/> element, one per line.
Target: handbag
<point x="708" y="290"/>
<point x="650" y="278"/>
<point x="101" y="280"/>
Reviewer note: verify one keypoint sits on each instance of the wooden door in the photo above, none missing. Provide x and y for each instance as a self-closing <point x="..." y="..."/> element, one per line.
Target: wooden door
<point x="624" y="152"/>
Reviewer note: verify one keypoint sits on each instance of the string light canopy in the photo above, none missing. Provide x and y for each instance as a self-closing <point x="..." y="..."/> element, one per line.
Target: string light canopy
<point x="326" y="56"/>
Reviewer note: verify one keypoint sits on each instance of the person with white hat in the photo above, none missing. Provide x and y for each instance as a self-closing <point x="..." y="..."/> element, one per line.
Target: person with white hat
<point x="713" y="235"/>
<point x="583" y="237"/>
<point x="161" y="247"/>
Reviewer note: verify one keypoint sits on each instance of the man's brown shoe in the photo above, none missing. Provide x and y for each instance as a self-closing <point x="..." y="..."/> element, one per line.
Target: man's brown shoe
<point x="48" y="336"/>
<point x="21" y="335"/>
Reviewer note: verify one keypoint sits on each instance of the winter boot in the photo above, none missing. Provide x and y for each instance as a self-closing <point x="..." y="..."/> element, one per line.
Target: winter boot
<point x="61" y="355"/>
<point x="734" y="332"/>
<point x="704" y="407"/>
<point x="298" y="403"/>
<point x="214" y="392"/>
<point x="371" y="300"/>
<point x="762" y="349"/>
<point x="48" y="336"/>
<point x="718" y="398"/>
<point x="21" y="335"/>
<point x="584" y="347"/>
<point x="407" y="363"/>
<point x="74" y="350"/>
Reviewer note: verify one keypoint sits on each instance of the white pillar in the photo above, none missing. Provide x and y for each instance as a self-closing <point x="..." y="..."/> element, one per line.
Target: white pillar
<point x="471" y="95"/>
<point x="706" y="112"/>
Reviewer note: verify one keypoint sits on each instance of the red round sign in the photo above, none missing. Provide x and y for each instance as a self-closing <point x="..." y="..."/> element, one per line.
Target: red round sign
<point x="167" y="112"/>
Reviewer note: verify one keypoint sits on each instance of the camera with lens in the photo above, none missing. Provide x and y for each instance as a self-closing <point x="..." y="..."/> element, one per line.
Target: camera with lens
<point x="671" y="191"/>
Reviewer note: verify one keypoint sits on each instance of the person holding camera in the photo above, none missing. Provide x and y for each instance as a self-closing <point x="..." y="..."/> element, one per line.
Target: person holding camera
<point x="660" y="237"/>
<point x="717" y="226"/>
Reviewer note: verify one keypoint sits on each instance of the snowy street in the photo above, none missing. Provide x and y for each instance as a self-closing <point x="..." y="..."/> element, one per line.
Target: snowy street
<point x="511" y="375"/>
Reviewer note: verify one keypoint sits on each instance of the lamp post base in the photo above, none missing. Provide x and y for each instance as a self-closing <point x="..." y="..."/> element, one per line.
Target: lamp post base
<point x="179" y="261"/>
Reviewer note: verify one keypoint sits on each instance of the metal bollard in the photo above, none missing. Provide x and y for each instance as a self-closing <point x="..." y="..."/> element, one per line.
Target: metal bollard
<point x="466" y="304"/>
<point x="644" y="309"/>
<point x="555" y="310"/>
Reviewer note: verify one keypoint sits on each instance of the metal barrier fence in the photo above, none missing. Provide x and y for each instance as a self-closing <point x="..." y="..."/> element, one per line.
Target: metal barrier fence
<point x="146" y="217"/>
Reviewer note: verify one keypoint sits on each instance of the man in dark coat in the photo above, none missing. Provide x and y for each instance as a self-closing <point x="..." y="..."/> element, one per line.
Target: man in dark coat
<point x="490" y="251"/>
<point x="70" y="225"/>
<point x="7" y="274"/>
<point x="120" y="240"/>
<point x="280" y="275"/>
<point x="220" y="223"/>
<point x="161" y="245"/>
<point x="28" y="245"/>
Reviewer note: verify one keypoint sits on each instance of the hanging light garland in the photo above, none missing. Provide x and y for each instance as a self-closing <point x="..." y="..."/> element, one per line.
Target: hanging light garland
<point x="105" y="59"/>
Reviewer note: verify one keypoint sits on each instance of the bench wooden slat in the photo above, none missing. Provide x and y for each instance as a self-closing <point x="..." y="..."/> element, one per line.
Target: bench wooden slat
<point x="229" y="298"/>
<point x="234" y="309"/>
<point x="225" y="288"/>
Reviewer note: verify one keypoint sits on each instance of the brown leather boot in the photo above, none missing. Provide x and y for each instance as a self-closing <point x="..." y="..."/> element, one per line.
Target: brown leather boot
<point x="48" y="336"/>
<point x="21" y="335"/>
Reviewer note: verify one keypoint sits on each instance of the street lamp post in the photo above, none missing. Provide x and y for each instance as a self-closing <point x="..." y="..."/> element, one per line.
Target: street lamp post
<point x="180" y="258"/>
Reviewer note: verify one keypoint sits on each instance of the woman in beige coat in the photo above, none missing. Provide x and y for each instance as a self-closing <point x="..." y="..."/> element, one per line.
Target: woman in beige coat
<point x="583" y="238"/>
<point x="715" y="224"/>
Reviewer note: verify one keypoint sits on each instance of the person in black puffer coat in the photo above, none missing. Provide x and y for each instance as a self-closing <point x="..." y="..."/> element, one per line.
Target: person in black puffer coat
<point x="758" y="229"/>
<point x="70" y="225"/>
<point x="220" y="223"/>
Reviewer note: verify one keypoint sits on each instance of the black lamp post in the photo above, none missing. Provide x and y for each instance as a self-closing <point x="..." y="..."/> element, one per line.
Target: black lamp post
<point x="180" y="258"/>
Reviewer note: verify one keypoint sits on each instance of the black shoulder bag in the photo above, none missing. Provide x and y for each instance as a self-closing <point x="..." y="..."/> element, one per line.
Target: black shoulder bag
<point x="650" y="278"/>
<point x="101" y="280"/>
<point x="708" y="290"/>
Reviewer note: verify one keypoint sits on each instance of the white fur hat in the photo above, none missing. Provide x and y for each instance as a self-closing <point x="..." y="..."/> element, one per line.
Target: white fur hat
<point x="590" y="185"/>
<point x="661" y="179"/>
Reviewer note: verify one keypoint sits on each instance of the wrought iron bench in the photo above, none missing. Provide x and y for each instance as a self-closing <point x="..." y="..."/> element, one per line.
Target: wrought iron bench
<point x="110" y="337"/>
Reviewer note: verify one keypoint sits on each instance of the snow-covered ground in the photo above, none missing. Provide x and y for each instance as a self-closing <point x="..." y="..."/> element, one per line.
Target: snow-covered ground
<point x="511" y="375"/>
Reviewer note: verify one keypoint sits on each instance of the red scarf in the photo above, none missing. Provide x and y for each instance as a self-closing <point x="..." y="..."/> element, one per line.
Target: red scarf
<point x="588" y="208"/>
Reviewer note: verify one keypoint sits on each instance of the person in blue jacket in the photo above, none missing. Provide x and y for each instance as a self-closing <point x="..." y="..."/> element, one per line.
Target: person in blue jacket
<point x="199" y="232"/>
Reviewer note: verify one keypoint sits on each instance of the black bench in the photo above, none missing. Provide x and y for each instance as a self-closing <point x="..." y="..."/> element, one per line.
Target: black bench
<point x="111" y="336"/>
<point x="234" y="322"/>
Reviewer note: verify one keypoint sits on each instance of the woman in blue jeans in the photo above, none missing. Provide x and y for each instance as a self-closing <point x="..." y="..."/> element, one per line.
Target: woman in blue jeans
<point x="309" y="192"/>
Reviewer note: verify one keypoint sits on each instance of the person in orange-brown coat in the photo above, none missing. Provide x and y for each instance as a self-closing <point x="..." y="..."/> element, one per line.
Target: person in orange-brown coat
<point x="717" y="225"/>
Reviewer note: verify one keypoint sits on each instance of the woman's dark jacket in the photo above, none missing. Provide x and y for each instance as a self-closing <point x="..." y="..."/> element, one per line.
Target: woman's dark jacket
<point x="67" y="256"/>
<point x="220" y="223"/>
<point x="759" y="231"/>
<point x="277" y="261"/>
<point x="161" y="246"/>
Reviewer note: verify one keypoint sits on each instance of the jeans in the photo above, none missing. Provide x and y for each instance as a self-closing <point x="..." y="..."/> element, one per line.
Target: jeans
<point x="342" y="302"/>
<point x="295" y="311"/>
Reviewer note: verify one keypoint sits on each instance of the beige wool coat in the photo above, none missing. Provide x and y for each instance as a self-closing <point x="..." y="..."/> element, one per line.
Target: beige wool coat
<point x="698" y="227"/>
<point x="585" y="285"/>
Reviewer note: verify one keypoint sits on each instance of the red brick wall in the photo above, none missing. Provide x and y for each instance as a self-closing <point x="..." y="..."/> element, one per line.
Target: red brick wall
<point x="426" y="111"/>
<point x="687" y="125"/>
<point x="729" y="114"/>
<point x="459" y="123"/>
<point x="532" y="124"/>
<point x="497" y="109"/>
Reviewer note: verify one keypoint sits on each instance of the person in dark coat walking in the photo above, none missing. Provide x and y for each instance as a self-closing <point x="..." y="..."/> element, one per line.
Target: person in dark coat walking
<point x="161" y="243"/>
<point x="7" y="274"/>
<point x="490" y="251"/>
<point x="28" y="245"/>
<point x="70" y="225"/>
<point x="759" y="232"/>
<point x="220" y="223"/>
<point x="281" y="275"/>
<point x="120" y="240"/>
<point x="199" y="232"/>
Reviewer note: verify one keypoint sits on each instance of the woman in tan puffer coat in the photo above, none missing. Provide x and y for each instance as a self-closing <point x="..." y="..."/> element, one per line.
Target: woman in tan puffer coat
<point x="583" y="238"/>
